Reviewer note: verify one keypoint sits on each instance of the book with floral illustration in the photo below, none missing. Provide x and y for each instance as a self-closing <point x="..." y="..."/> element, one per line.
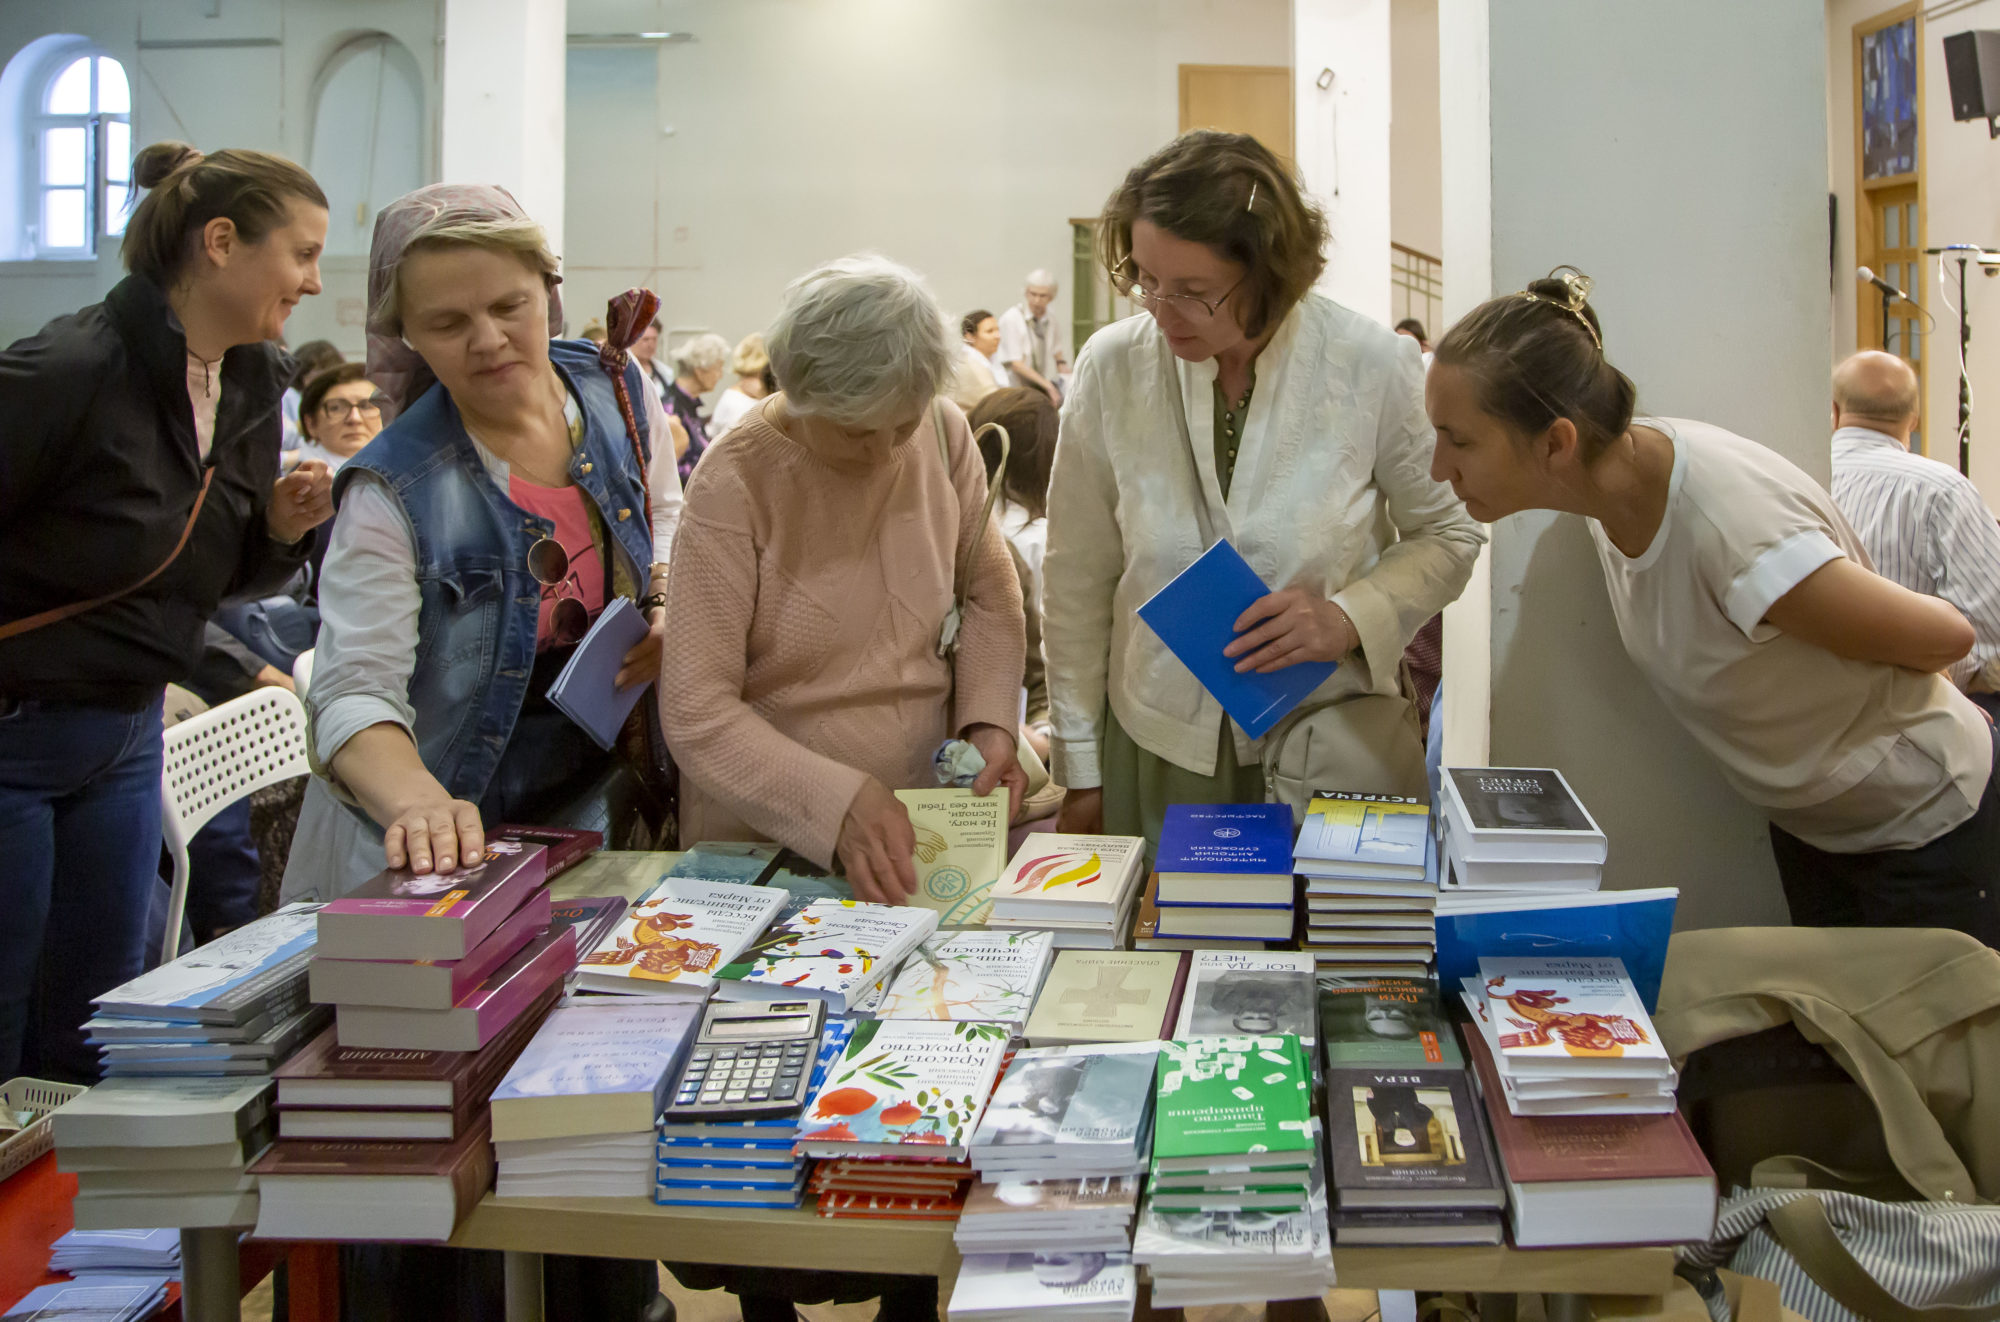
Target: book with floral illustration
<point x="980" y="975"/>
<point x="905" y="1085"/>
<point x="1075" y="878"/>
<point x="1574" y="1009"/>
<point x="961" y="851"/>
<point x="673" y="941"/>
<point x="833" y="949"/>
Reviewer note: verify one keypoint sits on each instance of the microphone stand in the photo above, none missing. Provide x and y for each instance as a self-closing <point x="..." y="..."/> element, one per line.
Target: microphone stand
<point x="1963" y="252"/>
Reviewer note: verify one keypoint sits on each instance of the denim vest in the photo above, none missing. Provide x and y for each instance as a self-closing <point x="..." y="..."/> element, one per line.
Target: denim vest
<point x="476" y="625"/>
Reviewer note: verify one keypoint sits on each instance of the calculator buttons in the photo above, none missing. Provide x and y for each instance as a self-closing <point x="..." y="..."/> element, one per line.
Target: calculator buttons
<point x="703" y="1053"/>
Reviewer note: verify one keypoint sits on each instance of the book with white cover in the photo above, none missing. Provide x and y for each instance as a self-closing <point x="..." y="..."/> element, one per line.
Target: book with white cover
<point x="595" y="1069"/>
<point x="1080" y="878"/>
<point x="976" y="974"/>
<point x="1085" y="1108"/>
<point x="172" y="1112"/>
<point x="1232" y="992"/>
<point x="228" y="980"/>
<point x="1363" y="835"/>
<point x="188" y="1211"/>
<point x="1579" y="1010"/>
<point x="1000" y="1287"/>
<point x="677" y="937"/>
<point x="833" y="949"/>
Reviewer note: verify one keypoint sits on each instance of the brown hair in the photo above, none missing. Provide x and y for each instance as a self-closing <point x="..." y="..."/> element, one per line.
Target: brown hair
<point x="314" y="357"/>
<point x="1231" y="192"/>
<point x="1536" y="356"/>
<point x="186" y="190"/>
<point x="1030" y="420"/>
<point x="969" y="323"/>
<point x="316" y="387"/>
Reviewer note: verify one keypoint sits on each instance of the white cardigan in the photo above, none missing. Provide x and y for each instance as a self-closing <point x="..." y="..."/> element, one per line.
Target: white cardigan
<point x="1332" y="492"/>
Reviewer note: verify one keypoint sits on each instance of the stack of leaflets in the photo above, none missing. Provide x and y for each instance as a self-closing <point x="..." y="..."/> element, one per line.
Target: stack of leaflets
<point x="1081" y="887"/>
<point x="1055" y="1284"/>
<point x="741" y="1163"/>
<point x="1067" y="1112"/>
<point x="236" y="1006"/>
<point x="1198" y="1258"/>
<point x="1233" y="992"/>
<point x="674" y="940"/>
<point x="1568" y="1036"/>
<point x="1233" y="1126"/>
<point x="1225" y="873"/>
<point x="1370" y="866"/>
<point x="1516" y="828"/>
<point x="1091" y="1215"/>
<point x="837" y="950"/>
<point x="100" y="1297"/>
<point x="118" y="1253"/>
<point x="164" y="1152"/>
<point x="986" y="976"/>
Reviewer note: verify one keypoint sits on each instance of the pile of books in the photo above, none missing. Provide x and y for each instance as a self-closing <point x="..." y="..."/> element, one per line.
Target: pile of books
<point x="1062" y="1113"/>
<point x="1080" y="887"/>
<point x="577" y="1115"/>
<point x="838" y="950"/>
<point x="1568" y="1036"/>
<point x="100" y="1297"/>
<point x="1224" y="875"/>
<point x="741" y="1163"/>
<point x="236" y="1006"/>
<point x="1516" y="829"/>
<point x="1108" y="996"/>
<point x="891" y="1188"/>
<point x="1236" y="1208"/>
<point x="164" y="1152"/>
<point x="1060" y="1284"/>
<point x="1084" y="1215"/>
<point x="118" y="1253"/>
<point x="1370" y="869"/>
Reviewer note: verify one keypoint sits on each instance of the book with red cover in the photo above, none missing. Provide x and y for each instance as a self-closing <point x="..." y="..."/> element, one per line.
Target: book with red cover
<point x="427" y="984"/>
<point x="320" y="1189"/>
<point x="476" y="1020"/>
<point x="567" y="847"/>
<point x="399" y="915"/>
<point x="1596" y="1179"/>
<point x="879" y="1207"/>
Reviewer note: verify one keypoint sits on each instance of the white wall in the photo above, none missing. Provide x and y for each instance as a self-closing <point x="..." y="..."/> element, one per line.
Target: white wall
<point x="1690" y="184"/>
<point x="957" y="136"/>
<point x="1342" y="139"/>
<point x="1416" y="175"/>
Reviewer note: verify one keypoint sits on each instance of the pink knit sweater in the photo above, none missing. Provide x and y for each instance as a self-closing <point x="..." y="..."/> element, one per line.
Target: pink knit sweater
<point x="802" y="624"/>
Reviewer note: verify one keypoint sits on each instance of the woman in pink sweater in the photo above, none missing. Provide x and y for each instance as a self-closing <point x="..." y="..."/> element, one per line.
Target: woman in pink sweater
<point x="813" y="572"/>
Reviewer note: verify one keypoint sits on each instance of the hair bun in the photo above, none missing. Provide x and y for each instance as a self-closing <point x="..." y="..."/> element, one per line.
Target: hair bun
<point x="156" y="164"/>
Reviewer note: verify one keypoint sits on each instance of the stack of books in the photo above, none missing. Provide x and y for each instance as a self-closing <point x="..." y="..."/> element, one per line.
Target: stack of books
<point x="389" y="1189"/>
<point x="1068" y="1112"/>
<point x="1054" y="1284"/>
<point x="1568" y="1036"/>
<point x="1083" y="888"/>
<point x="890" y="1188"/>
<point x="1108" y="996"/>
<point x="164" y="1152"/>
<point x="1516" y="829"/>
<point x="118" y="1253"/>
<point x="980" y="976"/>
<point x="577" y="1115"/>
<point x="741" y="1163"/>
<point x="677" y="937"/>
<point x="1086" y="1215"/>
<point x="441" y="963"/>
<point x="1370" y="869"/>
<point x="236" y="1006"/>
<point x="1259" y="992"/>
<point x="1236" y="1211"/>
<point x="837" y="950"/>
<point x="1411" y="1162"/>
<point x="96" y="1298"/>
<point x="1225" y="874"/>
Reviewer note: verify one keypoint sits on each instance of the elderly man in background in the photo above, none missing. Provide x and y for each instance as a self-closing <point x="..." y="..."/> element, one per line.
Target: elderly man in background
<point x="1922" y="522"/>
<point x="1032" y="346"/>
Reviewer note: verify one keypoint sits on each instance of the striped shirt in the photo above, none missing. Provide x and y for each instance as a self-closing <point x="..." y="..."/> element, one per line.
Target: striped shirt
<point x="1925" y="527"/>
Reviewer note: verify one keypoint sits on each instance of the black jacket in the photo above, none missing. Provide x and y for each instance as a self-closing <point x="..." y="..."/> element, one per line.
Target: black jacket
<point x="98" y="470"/>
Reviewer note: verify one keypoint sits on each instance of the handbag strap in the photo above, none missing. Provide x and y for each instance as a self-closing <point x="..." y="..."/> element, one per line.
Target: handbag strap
<point x="961" y="585"/>
<point x="1803" y="1229"/>
<point x="15" y="628"/>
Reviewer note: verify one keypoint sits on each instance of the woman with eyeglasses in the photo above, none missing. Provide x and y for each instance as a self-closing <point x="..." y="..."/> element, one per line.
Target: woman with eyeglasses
<point x="479" y="536"/>
<point x="340" y="411"/>
<point x="1239" y="405"/>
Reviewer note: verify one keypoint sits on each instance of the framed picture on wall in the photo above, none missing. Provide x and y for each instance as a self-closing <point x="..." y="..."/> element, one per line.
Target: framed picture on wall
<point x="1889" y="100"/>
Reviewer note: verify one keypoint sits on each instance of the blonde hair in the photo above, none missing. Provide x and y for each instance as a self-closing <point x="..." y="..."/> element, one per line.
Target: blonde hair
<point x="751" y="357"/>
<point x="519" y="236"/>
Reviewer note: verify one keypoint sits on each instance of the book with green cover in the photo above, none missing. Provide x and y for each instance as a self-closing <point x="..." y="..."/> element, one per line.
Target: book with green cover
<point x="961" y="851"/>
<point x="1232" y="1101"/>
<point x="990" y="975"/>
<point x="1384" y="1021"/>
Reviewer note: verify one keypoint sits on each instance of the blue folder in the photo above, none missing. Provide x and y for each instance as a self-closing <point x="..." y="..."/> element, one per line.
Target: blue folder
<point x="1195" y="616"/>
<point x="1635" y="931"/>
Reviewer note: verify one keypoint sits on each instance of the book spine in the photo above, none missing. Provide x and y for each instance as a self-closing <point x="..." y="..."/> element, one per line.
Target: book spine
<point x="511" y="999"/>
<point x="1173" y="1011"/>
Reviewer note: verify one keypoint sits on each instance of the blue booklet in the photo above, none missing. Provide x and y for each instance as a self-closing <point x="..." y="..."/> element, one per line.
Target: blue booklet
<point x="1633" y="925"/>
<point x="1195" y="616"/>
<point x="1247" y="839"/>
<point x="584" y="691"/>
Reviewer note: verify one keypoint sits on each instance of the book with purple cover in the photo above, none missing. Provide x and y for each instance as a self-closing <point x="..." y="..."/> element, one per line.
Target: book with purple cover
<point x="479" y="1018"/>
<point x="567" y="845"/>
<point x="399" y="914"/>
<point x="427" y="984"/>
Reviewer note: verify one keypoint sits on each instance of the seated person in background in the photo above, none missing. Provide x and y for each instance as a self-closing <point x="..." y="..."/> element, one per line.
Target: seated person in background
<point x="308" y="361"/>
<point x="339" y="412"/>
<point x="698" y="367"/>
<point x="1031" y="423"/>
<point x="974" y="373"/>
<point x="1033" y="348"/>
<point x="812" y="575"/>
<point x="1922" y="522"/>
<point x="749" y="364"/>
<point x="1745" y="599"/>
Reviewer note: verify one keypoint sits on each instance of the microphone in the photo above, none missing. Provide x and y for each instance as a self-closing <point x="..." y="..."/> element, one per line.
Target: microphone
<point x="1867" y="276"/>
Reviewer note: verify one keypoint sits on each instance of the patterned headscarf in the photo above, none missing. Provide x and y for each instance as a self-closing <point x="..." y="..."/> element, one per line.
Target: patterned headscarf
<point x="396" y="369"/>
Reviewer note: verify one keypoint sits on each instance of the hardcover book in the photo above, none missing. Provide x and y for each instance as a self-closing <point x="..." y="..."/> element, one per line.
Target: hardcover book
<point x="1145" y="931"/>
<point x="399" y="914"/>
<point x="595" y="1069"/>
<point x="1074" y="1105"/>
<point x="1108" y="996"/>
<point x="961" y="851"/>
<point x="1520" y="813"/>
<point x="230" y="979"/>
<point x="1568" y="1009"/>
<point x="1233" y="992"/>
<point x="975" y="975"/>
<point x="382" y="1190"/>
<point x="902" y="1083"/>
<point x="1223" y="842"/>
<point x="677" y="937"/>
<point x="480" y="1016"/>
<point x="1380" y="1021"/>
<point x="1080" y="878"/>
<point x="427" y="984"/>
<point x="566" y="846"/>
<point x="1364" y="835"/>
<point x="833" y="949"/>
<point x="1633" y="925"/>
<point x="1403" y="1137"/>
<point x="1227" y="1101"/>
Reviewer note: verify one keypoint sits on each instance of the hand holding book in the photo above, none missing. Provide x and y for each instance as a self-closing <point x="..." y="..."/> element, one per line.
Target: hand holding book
<point x="877" y="846"/>
<point x="1289" y="626"/>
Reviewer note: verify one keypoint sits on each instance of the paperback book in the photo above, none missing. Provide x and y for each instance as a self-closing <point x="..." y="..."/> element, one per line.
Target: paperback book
<point x="1073" y="1110"/>
<point x="678" y="937"/>
<point x="1363" y="835"/>
<point x="596" y="1068"/>
<point x="1008" y="1287"/>
<point x="593" y="917"/>
<point x="747" y="863"/>
<point x="1075" y="878"/>
<point x="833" y="949"/>
<point x="481" y="1015"/>
<point x="1567" y="1010"/>
<point x="1232" y="992"/>
<point x="1380" y="1021"/>
<point x="1232" y="1101"/>
<point x="258" y="968"/>
<point x="1502" y="813"/>
<point x="973" y="975"/>
<point x="400" y="914"/>
<point x="961" y="851"/>
<point x="428" y="984"/>
<point x="1408" y="1137"/>
<point x="1108" y="996"/>
<point x="904" y="1084"/>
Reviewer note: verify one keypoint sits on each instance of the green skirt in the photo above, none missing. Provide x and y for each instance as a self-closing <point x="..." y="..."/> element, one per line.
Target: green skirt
<point x="1138" y="785"/>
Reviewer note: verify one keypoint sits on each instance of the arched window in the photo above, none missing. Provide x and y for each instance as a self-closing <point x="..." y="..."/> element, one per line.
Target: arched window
<point x="81" y="147"/>
<point x="368" y="136"/>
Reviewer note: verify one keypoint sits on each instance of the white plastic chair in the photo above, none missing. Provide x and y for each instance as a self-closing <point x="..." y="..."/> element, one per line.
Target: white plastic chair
<point x="213" y="760"/>
<point x="302" y="672"/>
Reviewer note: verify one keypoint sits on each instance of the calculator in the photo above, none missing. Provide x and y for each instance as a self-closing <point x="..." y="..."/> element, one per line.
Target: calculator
<point x="752" y="1060"/>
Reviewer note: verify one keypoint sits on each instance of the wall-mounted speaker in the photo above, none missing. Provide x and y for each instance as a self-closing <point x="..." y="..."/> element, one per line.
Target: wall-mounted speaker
<point x="1972" y="66"/>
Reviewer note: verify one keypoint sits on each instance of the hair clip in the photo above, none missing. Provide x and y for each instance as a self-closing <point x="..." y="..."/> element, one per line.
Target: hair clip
<point x="1253" y="196"/>
<point x="1576" y="295"/>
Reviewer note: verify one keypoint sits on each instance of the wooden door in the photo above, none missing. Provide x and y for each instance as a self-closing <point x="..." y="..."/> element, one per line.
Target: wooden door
<point x="1240" y="98"/>
<point x="1889" y="197"/>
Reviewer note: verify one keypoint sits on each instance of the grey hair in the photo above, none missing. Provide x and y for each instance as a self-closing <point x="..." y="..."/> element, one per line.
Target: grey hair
<point x="860" y="342"/>
<point x="1039" y="279"/>
<point x="701" y="354"/>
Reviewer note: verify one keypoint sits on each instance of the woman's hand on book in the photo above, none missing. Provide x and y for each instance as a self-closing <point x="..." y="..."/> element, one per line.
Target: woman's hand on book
<point x="1289" y="626"/>
<point x="877" y="846"/>
<point x="1001" y="749"/>
<point x="436" y="835"/>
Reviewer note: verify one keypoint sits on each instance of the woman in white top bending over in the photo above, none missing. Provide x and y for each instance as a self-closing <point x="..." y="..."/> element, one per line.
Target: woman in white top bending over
<point x="1748" y="603"/>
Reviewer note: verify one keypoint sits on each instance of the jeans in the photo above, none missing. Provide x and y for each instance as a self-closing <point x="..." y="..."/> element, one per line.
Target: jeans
<point x="224" y="871"/>
<point x="79" y="858"/>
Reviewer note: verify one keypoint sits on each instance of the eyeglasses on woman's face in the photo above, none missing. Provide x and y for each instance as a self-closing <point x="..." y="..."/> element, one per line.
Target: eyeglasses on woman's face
<point x="1143" y="290"/>
<point x="340" y="410"/>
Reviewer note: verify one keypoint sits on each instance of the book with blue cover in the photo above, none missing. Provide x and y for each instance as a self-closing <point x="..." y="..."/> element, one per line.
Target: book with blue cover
<point x="585" y="691"/>
<point x="1250" y="839"/>
<point x="1195" y="616"/>
<point x="259" y="966"/>
<point x="1633" y="925"/>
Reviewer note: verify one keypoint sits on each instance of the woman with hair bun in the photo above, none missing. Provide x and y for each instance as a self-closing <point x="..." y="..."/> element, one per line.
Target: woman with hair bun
<point x="138" y="488"/>
<point x="1748" y="603"/>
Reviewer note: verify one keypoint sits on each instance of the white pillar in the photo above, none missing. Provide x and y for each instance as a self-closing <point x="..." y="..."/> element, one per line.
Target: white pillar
<point x="502" y="122"/>
<point x="1342" y="140"/>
